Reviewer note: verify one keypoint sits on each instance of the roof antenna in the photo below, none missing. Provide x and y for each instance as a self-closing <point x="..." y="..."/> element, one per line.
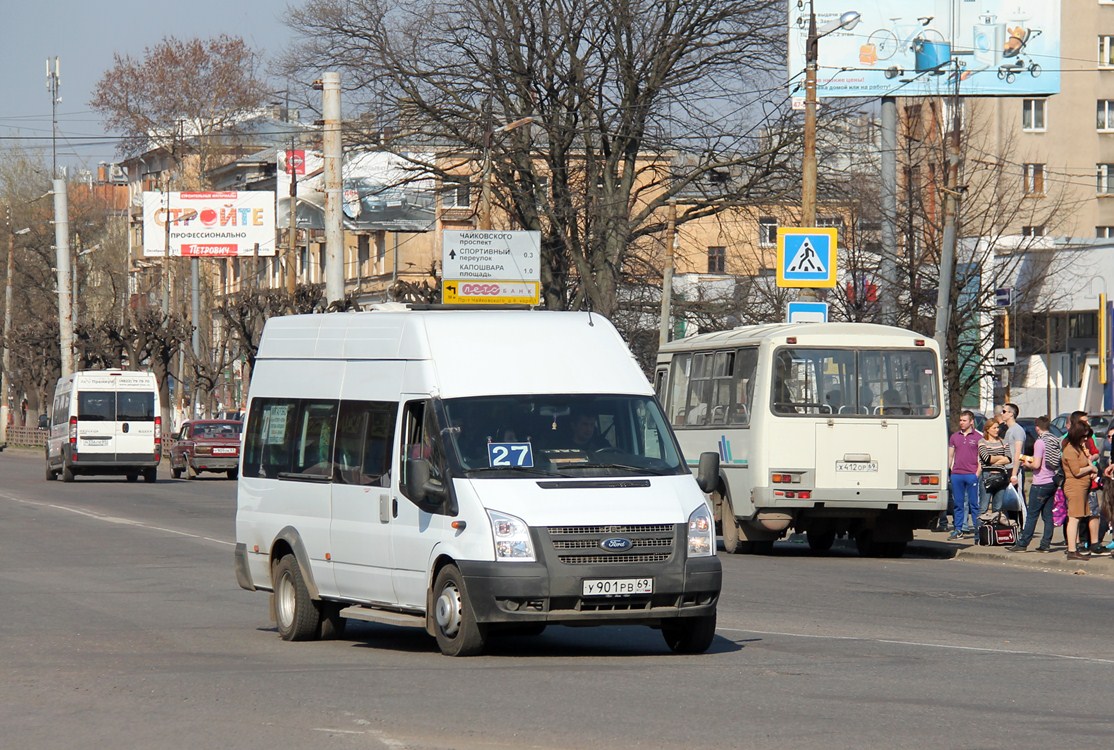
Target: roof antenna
<point x="588" y="304"/>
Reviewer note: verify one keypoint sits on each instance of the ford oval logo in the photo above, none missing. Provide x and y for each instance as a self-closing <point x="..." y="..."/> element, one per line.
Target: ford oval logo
<point x="616" y="544"/>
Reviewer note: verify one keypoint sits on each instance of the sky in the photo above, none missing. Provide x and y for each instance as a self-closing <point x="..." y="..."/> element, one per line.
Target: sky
<point x="86" y="34"/>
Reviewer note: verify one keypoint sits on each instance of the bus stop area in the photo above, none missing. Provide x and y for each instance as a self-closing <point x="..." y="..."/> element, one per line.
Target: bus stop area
<point x="936" y="544"/>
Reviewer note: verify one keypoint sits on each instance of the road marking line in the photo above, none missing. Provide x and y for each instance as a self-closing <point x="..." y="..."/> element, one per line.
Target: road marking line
<point x="921" y="644"/>
<point x="117" y="520"/>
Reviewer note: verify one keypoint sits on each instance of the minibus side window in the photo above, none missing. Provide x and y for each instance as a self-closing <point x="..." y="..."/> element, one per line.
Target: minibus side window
<point x="678" y="387"/>
<point x="700" y="390"/>
<point x="313" y="454"/>
<point x="268" y="438"/>
<point x="365" y="433"/>
<point x="742" y="389"/>
<point x="420" y="441"/>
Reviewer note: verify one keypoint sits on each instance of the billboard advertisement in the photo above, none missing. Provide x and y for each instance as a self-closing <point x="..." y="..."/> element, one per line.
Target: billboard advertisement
<point x="382" y="191"/>
<point x="209" y="224"/>
<point x="927" y="47"/>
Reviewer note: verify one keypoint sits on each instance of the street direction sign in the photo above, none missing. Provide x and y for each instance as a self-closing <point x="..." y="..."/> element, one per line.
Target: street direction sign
<point x="491" y="267"/>
<point x="806" y="257"/>
<point x="808" y="312"/>
<point x="1003" y="297"/>
<point x="1005" y="357"/>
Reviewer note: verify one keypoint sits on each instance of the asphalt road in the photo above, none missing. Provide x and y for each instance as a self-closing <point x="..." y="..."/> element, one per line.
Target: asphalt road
<point x="123" y="627"/>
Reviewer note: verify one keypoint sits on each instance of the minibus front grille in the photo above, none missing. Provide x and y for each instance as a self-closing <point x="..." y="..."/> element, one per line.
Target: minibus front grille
<point x="583" y="545"/>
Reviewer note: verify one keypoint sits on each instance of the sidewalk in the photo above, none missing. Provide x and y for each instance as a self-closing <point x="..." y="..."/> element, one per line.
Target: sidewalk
<point x="936" y="544"/>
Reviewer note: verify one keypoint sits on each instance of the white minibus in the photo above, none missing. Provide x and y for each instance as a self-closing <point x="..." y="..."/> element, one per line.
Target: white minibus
<point x="105" y="422"/>
<point x="469" y="472"/>
<point x="823" y="428"/>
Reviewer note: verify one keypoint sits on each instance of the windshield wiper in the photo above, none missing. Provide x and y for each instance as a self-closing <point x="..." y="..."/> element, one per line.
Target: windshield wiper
<point x="624" y="467"/>
<point x="517" y="469"/>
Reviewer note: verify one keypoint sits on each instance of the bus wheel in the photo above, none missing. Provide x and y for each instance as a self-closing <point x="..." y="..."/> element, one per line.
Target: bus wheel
<point x="763" y="547"/>
<point x="150" y="475"/>
<point x="689" y="635"/>
<point x="298" y="618"/>
<point x="820" y="541"/>
<point x="458" y="633"/>
<point x="67" y="472"/>
<point x="731" y="544"/>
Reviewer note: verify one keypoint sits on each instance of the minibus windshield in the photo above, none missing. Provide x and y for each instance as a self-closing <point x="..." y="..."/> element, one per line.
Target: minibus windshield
<point x="560" y="435"/>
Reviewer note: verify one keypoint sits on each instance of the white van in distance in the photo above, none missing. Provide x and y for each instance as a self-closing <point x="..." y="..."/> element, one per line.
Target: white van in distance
<point x="468" y="472"/>
<point x="105" y="422"/>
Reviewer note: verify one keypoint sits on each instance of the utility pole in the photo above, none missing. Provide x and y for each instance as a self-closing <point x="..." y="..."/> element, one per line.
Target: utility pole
<point x="62" y="261"/>
<point x="667" y="274"/>
<point x="292" y="236"/>
<point x="948" y="243"/>
<point x="887" y="270"/>
<point x="334" y="230"/>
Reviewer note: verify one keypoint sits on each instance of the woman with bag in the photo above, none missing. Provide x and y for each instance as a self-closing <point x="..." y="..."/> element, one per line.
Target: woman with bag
<point x="994" y="464"/>
<point x="1078" y="473"/>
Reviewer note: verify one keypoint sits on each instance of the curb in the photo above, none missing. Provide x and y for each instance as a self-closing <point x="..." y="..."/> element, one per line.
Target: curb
<point x="924" y="545"/>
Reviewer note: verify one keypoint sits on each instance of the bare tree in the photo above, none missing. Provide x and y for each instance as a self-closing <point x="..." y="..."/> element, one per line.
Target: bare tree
<point x="631" y="103"/>
<point x="196" y="89"/>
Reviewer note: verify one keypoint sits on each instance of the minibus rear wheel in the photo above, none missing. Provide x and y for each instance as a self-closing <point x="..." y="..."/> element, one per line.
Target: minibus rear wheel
<point x="689" y="635"/>
<point x="455" y="626"/>
<point x="298" y="619"/>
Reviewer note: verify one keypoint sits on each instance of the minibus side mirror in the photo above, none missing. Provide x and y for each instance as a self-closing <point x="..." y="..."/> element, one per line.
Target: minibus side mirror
<point x="427" y="493"/>
<point x="707" y="474"/>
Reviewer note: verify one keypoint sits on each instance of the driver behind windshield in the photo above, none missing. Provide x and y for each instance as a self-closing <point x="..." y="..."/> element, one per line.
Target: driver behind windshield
<point x="584" y="435"/>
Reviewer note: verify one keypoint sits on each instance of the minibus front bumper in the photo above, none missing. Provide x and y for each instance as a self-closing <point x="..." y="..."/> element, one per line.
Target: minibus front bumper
<point x="553" y="588"/>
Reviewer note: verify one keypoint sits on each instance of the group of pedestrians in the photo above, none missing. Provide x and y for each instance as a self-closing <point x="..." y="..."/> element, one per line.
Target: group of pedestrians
<point x="988" y="473"/>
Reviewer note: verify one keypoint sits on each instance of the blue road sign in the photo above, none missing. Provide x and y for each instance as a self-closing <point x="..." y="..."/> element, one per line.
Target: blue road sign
<point x="1003" y="297"/>
<point x="806" y="257"/>
<point x="808" y="312"/>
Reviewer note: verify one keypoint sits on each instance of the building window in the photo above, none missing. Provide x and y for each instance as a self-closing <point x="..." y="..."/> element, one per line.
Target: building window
<point x="1104" y="180"/>
<point x="717" y="259"/>
<point x="1036" y="230"/>
<point x="831" y="222"/>
<point x="1106" y="51"/>
<point x="456" y="195"/>
<point x="1034" y="179"/>
<point x="363" y="254"/>
<point x="1032" y="114"/>
<point x="1104" y="232"/>
<point x="1104" y="115"/>
<point x="767" y="231"/>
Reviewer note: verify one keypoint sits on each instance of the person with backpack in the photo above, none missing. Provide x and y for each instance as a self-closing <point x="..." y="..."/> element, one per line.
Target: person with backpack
<point x="1045" y="463"/>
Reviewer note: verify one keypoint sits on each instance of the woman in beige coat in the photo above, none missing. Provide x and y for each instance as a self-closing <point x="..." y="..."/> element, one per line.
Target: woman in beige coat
<point x="1078" y="470"/>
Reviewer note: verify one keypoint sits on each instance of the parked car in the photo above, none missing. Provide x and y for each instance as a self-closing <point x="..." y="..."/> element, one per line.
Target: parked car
<point x="206" y="445"/>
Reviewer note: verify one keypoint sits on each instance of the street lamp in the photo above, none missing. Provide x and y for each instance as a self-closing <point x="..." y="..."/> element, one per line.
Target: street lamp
<point x="485" y="174"/>
<point x="7" y="328"/>
<point x="847" y="21"/>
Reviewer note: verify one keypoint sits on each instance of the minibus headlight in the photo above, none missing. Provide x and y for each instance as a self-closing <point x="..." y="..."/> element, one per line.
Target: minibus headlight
<point x="512" y="538"/>
<point x="702" y="533"/>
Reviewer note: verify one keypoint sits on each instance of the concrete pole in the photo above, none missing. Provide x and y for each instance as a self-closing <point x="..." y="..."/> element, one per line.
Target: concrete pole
<point x="292" y="237"/>
<point x="667" y="275"/>
<point x="887" y="270"/>
<point x="195" y="320"/>
<point x="808" y="161"/>
<point x="7" y="362"/>
<point x="948" y="244"/>
<point x="62" y="260"/>
<point x="334" y="230"/>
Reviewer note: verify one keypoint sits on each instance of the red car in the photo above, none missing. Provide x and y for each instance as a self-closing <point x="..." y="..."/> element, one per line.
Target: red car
<point x="206" y="445"/>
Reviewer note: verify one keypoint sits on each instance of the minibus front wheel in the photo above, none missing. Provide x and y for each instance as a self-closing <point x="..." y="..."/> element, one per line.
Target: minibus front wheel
<point x="454" y="622"/>
<point x="689" y="635"/>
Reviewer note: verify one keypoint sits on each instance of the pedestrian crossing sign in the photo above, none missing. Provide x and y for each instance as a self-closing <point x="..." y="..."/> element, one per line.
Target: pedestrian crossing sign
<point x="806" y="257"/>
